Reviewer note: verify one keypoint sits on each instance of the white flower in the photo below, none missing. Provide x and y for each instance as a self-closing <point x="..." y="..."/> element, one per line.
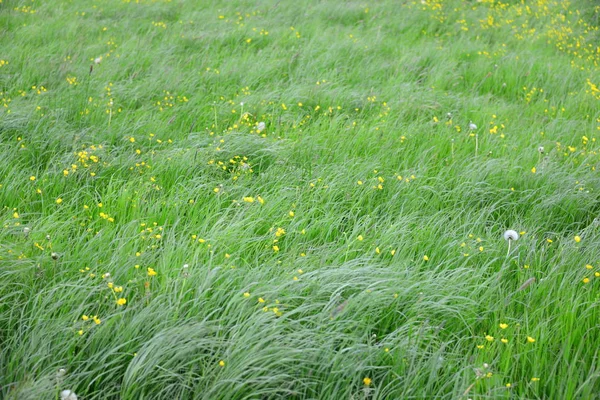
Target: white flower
<point x="98" y="60"/>
<point x="54" y="256"/>
<point x="26" y="231"/>
<point x="261" y="127"/>
<point x="472" y="126"/>
<point x="61" y="372"/>
<point x="68" y="395"/>
<point x="186" y="266"/>
<point x="541" y="149"/>
<point x="511" y="235"/>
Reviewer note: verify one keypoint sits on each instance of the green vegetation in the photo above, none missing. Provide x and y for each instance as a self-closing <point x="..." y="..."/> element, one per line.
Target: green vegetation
<point x="303" y="200"/>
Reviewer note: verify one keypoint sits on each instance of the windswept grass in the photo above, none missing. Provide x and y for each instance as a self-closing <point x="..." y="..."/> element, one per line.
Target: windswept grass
<point x="242" y="200"/>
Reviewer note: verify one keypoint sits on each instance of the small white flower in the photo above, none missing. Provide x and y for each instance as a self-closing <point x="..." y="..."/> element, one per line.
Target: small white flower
<point x="261" y="127"/>
<point x="472" y="126"/>
<point x="68" y="395"/>
<point x="511" y="235"/>
<point x="47" y="237"/>
<point x="26" y="231"/>
<point x="106" y="275"/>
<point x="449" y="115"/>
<point x="98" y="60"/>
<point x="541" y="149"/>
<point x="61" y="372"/>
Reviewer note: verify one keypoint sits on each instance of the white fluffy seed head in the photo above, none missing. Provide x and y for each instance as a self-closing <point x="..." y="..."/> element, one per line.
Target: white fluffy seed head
<point x="261" y="126"/>
<point x="472" y="126"/>
<point x="541" y="149"/>
<point x="68" y="395"/>
<point x="511" y="235"/>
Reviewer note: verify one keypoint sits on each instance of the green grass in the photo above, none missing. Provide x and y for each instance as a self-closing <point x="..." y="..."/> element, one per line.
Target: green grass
<point x="353" y="249"/>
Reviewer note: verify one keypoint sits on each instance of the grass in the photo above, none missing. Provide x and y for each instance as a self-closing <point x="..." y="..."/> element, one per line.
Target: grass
<point x="156" y="242"/>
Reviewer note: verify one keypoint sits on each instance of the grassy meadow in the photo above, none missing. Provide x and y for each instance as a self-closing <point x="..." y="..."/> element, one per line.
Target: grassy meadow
<point x="299" y="199"/>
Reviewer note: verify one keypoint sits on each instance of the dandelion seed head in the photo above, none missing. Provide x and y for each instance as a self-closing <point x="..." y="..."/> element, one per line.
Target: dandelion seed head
<point x="68" y="395"/>
<point x="511" y="235"/>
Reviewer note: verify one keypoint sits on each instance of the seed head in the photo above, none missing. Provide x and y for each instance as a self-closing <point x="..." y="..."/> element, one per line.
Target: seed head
<point x="541" y="149"/>
<point x="511" y="235"/>
<point x="68" y="395"/>
<point x="54" y="256"/>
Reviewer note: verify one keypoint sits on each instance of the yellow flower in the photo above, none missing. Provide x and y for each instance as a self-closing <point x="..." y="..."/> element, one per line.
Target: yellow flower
<point x="392" y="252"/>
<point x="480" y="346"/>
<point x="221" y="363"/>
<point x="586" y="280"/>
<point x="425" y="258"/>
<point x="535" y="379"/>
<point x="151" y="272"/>
<point x="530" y="339"/>
<point x="32" y="178"/>
<point x="58" y="201"/>
<point x="377" y="250"/>
<point x="121" y="301"/>
<point x="15" y="215"/>
<point x="260" y="200"/>
<point x="503" y="326"/>
<point x="489" y="338"/>
<point x="85" y="317"/>
<point x="280" y="232"/>
<point x="261" y="300"/>
<point x="588" y="266"/>
<point x="360" y="238"/>
<point x="246" y="294"/>
<point x="275" y="248"/>
<point x="249" y="199"/>
<point x="359" y="182"/>
<point x="577" y="239"/>
<point x="96" y="320"/>
<point x="367" y="381"/>
<point x="508" y="385"/>
<point x="291" y="214"/>
<point x="504" y="340"/>
<point x="80" y="332"/>
<point x="533" y="170"/>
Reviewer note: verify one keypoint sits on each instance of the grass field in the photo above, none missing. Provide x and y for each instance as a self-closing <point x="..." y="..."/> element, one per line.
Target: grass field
<point x="305" y="200"/>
